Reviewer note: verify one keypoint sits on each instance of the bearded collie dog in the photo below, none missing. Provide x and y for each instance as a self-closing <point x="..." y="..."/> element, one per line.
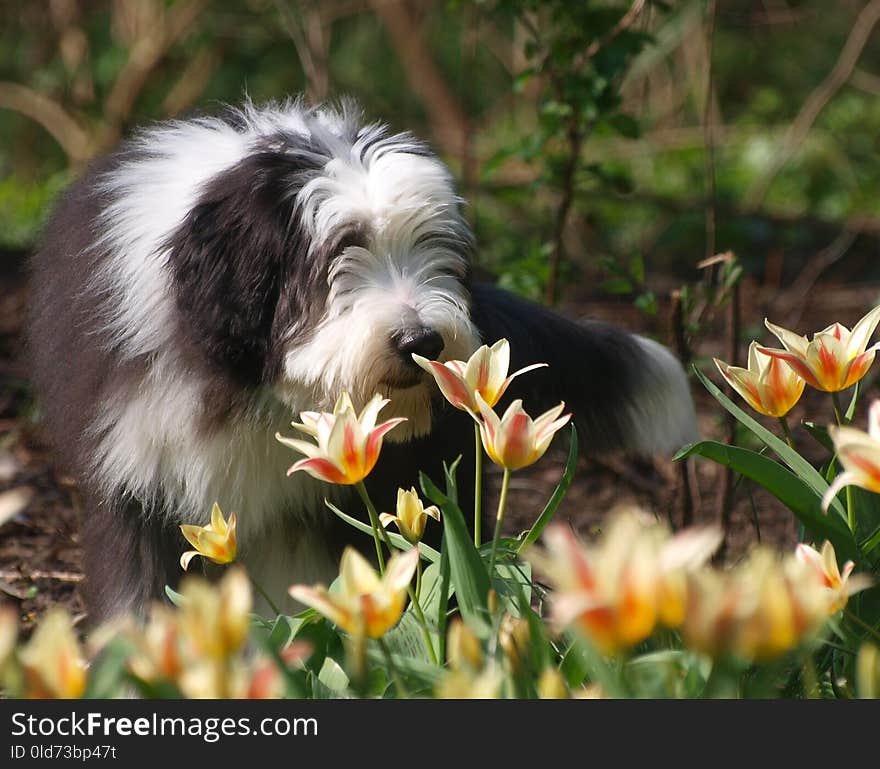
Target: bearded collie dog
<point x="214" y="277"/>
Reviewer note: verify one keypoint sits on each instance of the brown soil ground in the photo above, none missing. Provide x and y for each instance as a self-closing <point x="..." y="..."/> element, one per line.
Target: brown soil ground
<point x="40" y="556"/>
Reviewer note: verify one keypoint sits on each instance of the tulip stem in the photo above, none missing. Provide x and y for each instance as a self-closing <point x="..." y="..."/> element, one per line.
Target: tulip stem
<point x="259" y="588"/>
<point x="379" y="533"/>
<point x="414" y="596"/>
<point x="499" y="517"/>
<point x="789" y="438"/>
<point x="850" y="508"/>
<point x="838" y="411"/>
<point x="392" y="668"/>
<point x="478" y="484"/>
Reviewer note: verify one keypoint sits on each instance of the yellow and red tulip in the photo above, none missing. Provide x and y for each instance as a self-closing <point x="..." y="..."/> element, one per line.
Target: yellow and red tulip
<point x="779" y="606"/>
<point x="516" y="440"/>
<point x="617" y="592"/>
<point x="483" y="374"/>
<point x="216" y="619"/>
<point x="216" y="541"/>
<point x="768" y="385"/>
<point x="52" y="661"/>
<point x="841" y="583"/>
<point x="767" y="605"/>
<point x="347" y="444"/>
<point x="158" y="647"/>
<point x="411" y="515"/>
<point x="859" y="453"/>
<point x="365" y="604"/>
<point x="606" y="593"/>
<point x="754" y="612"/>
<point x="835" y="358"/>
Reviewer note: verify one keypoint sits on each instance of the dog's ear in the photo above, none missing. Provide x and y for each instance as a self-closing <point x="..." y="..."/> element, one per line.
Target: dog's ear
<point x="231" y="256"/>
<point x="625" y="391"/>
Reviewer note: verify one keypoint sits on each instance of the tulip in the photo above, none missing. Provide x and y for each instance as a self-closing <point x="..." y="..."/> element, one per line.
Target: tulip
<point x="411" y="516"/>
<point x="768" y="385"/>
<point x="552" y="685"/>
<point x="835" y="359"/>
<point x="470" y="685"/>
<point x="617" y="592"/>
<point x="216" y="541"/>
<point x="608" y="593"/>
<point x="709" y="623"/>
<point x="216" y="619"/>
<point x="348" y="444"/>
<point x="515" y="440"/>
<point x="677" y="557"/>
<point x="483" y="374"/>
<point x="859" y="453"/>
<point x="266" y="681"/>
<point x="758" y="611"/>
<point x="158" y="647"/>
<point x="841" y="584"/>
<point x="781" y="606"/>
<point x="514" y="638"/>
<point x="463" y="649"/>
<point x="52" y="660"/>
<point x="365" y="604"/>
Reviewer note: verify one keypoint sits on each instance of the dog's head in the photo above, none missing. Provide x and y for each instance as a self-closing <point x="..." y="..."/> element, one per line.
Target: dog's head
<point x="322" y="259"/>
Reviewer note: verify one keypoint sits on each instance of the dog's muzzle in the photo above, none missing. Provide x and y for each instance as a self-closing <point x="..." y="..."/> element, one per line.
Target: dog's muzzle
<point x="421" y="340"/>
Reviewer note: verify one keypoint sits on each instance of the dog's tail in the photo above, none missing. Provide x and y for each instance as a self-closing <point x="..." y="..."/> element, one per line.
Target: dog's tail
<point x="625" y="391"/>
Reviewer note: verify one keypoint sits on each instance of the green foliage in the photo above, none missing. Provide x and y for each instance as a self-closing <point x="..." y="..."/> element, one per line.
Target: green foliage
<point x="532" y="80"/>
<point x="852" y="528"/>
<point x="24" y="205"/>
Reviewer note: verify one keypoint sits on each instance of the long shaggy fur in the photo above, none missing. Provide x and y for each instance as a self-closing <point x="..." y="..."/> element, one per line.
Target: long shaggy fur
<point x="214" y="277"/>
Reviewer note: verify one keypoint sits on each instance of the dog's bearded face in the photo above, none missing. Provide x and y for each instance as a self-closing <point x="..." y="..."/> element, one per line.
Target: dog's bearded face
<point x="296" y="251"/>
<point x="395" y="255"/>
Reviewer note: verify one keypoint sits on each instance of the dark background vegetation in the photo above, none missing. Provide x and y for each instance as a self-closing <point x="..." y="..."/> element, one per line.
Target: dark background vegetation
<point x="607" y="150"/>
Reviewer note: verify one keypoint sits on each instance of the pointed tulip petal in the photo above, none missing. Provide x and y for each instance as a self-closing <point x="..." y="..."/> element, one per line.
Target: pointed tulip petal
<point x="798" y="364"/>
<point x="843" y="479"/>
<point x="862" y="332"/>
<point x="791" y="341"/>
<point x="322" y="469"/>
<point x="451" y="384"/>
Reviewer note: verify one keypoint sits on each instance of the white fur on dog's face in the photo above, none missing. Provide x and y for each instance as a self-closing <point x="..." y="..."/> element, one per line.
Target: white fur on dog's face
<point x="409" y="272"/>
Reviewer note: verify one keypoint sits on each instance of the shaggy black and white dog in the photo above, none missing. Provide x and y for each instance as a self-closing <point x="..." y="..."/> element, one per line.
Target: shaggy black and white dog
<point x="199" y="288"/>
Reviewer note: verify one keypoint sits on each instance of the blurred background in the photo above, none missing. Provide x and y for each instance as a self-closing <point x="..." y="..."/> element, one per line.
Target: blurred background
<point x="681" y="168"/>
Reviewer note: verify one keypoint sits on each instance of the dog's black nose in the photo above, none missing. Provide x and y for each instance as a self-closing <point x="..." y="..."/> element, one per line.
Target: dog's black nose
<point x="421" y="341"/>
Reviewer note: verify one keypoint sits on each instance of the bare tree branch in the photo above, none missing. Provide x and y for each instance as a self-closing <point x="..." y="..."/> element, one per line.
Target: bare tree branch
<point x="145" y="55"/>
<point x="449" y="122"/>
<point x="192" y="82"/>
<point x="790" y="303"/>
<point x="69" y="134"/>
<point x="626" y="21"/>
<point x="309" y="31"/>
<point x="817" y="100"/>
<point x="866" y="81"/>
